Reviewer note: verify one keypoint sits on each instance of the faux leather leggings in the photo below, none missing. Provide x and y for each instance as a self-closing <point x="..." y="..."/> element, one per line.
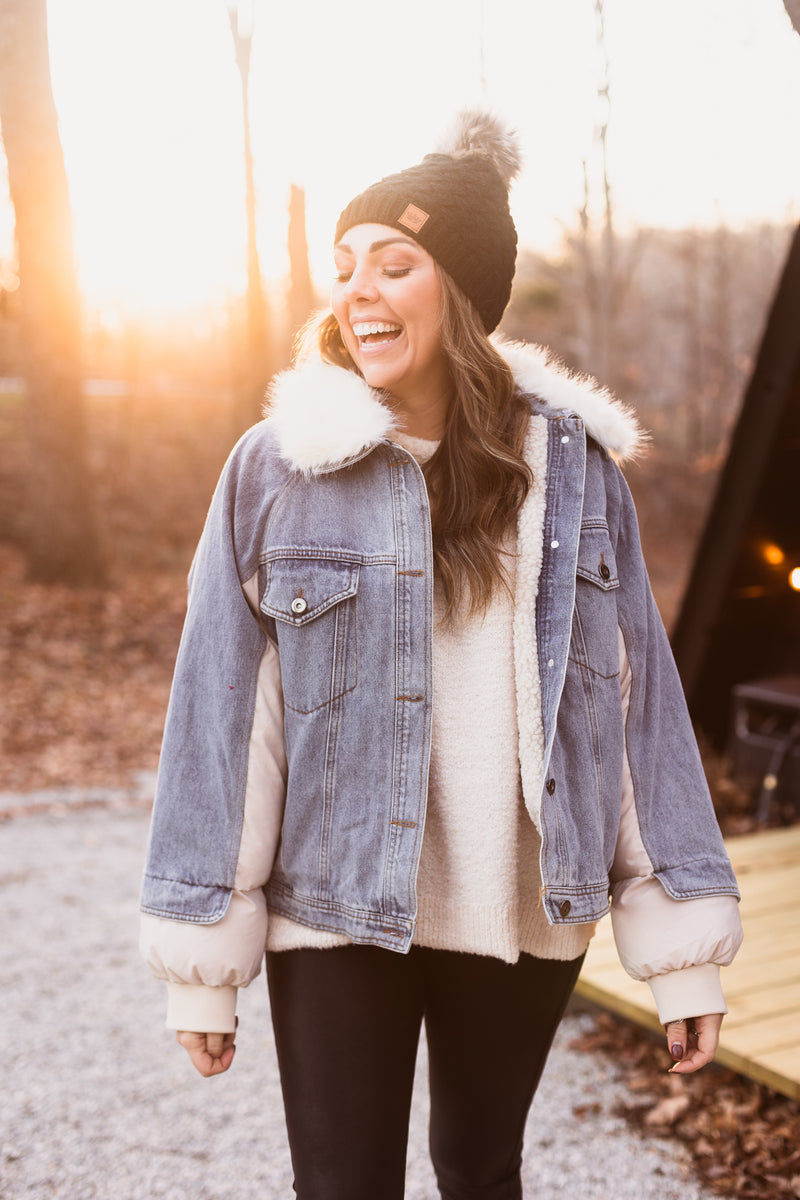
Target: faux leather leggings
<point x="347" y="1022"/>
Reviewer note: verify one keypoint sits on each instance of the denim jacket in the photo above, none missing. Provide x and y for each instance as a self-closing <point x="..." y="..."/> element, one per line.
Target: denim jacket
<point x="331" y="517"/>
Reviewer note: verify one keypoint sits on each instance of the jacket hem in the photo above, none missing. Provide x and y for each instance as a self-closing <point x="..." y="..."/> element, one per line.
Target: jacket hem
<point x="364" y="926"/>
<point x="198" y="903"/>
<point x="679" y="882"/>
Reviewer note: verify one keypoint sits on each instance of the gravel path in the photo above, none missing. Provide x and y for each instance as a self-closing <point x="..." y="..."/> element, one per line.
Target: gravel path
<point x="97" y="1100"/>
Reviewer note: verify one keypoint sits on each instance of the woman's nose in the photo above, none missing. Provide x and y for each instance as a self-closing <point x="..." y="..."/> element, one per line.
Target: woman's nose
<point x="361" y="285"/>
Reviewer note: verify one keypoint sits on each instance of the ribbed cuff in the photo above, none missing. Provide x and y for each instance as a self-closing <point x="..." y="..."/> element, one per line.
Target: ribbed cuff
<point x="691" y="992"/>
<point x="197" y="1008"/>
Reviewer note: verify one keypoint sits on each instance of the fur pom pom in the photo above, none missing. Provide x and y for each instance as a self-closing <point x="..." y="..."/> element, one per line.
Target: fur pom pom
<point x="475" y="131"/>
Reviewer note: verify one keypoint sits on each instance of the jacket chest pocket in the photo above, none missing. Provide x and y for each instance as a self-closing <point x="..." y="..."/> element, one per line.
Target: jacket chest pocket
<point x="313" y="603"/>
<point x="594" y="643"/>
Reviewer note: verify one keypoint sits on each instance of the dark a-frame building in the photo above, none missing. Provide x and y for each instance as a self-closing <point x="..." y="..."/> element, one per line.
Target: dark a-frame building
<point x="740" y="617"/>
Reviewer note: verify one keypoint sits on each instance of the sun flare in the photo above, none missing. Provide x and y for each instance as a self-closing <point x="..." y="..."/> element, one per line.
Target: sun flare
<point x="149" y="105"/>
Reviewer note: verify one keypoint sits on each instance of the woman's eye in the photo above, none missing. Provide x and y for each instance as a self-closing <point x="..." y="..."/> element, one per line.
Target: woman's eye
<point x="342" y="276"/>
<point x="396" y="272"/>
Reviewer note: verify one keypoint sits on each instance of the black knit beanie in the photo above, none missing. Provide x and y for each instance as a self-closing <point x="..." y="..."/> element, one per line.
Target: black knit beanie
<point x="455" y="204"/>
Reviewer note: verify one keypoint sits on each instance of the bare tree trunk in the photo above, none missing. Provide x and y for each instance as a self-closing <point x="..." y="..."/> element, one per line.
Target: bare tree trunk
<point x="63" y="543"/>
<point x="258" y="348"/>
<point x="722" y="372"/>
<point x="793" y="9"/>
<point x="694" y="355"/>
<point x="603" y="283"/>
<point x="607" y="301"/>
<point x="301" y="292"/>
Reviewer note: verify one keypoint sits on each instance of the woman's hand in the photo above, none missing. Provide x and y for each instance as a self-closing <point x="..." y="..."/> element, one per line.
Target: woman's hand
<point x="693" y="1042"/>
<point x="211" y="1053"/>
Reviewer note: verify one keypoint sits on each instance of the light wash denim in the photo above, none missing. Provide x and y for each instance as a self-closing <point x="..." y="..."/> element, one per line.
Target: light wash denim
<point x="345" y="584"/>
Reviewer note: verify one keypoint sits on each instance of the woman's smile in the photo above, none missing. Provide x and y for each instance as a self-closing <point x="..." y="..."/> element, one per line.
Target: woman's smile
<point x="387" y="299"/>
<point x="375" y="335"/>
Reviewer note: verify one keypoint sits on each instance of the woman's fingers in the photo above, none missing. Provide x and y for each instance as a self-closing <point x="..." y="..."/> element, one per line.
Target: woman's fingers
<point x="211" y="1053"/>
<point x="677" y="1037"/>
<point x="693" y="1042"/>
<point x="215" y="1044"/>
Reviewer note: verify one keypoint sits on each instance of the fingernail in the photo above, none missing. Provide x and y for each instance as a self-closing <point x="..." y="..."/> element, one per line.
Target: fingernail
<point x="677" y="1051"/>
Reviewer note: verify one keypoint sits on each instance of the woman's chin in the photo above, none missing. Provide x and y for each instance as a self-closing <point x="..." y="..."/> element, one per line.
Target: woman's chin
<point x="378" y="377"/>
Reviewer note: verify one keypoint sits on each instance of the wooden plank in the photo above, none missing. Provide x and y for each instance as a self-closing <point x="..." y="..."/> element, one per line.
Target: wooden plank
<point x="774" y="1071"/>
<point x="780" y="885"/>
<point x="777" y="889"/>
<point x="761" y="1035"/>
<point x="770" y="846"/>
<point x="763" y="945"/>
<point x="785" y="1063"/>
<point x="751" y="1000"/>
<point x="743" y="976"/>
<point x="776" y="1068"/>
<point x="773" y="1001"/>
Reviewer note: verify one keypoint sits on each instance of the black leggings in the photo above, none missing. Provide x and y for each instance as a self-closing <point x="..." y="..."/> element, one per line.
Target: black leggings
<point x="347" y="1022"/>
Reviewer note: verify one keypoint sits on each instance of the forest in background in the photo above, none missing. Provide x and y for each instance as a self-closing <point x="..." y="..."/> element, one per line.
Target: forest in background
<point x="113" y="437"/>
<point x="91" y="665"/>
<point x="164" y="404"/>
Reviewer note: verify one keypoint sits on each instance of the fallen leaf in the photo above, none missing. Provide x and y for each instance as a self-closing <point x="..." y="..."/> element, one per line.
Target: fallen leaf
<point x="667" y="1111"/>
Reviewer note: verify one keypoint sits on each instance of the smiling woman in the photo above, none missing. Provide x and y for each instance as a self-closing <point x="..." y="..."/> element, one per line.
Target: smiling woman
<point x="425" y="715"/>
<point x="387" y="301"/>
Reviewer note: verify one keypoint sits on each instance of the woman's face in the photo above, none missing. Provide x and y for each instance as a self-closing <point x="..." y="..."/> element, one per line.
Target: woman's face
<point x="387" y="300"/>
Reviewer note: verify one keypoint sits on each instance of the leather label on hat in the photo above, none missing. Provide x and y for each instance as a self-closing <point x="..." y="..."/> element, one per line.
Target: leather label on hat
<point x="413" y="218"/>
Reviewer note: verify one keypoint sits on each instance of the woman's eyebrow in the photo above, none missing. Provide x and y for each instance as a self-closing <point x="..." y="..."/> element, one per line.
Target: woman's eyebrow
<point x="391" y="241"/>
<point x="404" y="241"/>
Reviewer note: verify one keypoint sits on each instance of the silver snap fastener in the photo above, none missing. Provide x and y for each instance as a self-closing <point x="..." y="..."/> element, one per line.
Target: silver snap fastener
<point x="564" y="440"/>
<point x="299" y="605"/>
<point x="554" y="544"/>
<point x="551" y="662"/>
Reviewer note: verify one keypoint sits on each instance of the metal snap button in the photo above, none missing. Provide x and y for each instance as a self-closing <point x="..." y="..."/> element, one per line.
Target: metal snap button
<point x="604" y="571"/>
<point x="299" y="605"/>
<point x="551" y="786"/>
<point x="554" y="544"/>
<point x="564" y="908"/>
<point x="564" y="440"/>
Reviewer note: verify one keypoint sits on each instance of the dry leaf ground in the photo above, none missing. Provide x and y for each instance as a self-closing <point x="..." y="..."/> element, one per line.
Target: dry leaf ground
<point x="86" y="676"/>
<point x="744" y="1138"/>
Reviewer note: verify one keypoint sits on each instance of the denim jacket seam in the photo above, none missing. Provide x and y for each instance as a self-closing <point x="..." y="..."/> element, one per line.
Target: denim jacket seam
<point x="336" y="906"/>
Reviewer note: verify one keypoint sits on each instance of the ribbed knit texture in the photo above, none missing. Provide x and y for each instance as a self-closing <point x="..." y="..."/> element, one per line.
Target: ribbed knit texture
<point x="478" y="882"/>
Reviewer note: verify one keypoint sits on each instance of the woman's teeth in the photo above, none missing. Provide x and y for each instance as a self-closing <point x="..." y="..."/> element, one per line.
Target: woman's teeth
<point x="367" y="330"/>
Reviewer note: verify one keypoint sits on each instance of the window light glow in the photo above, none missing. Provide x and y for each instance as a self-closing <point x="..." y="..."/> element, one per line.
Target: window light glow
<point x="773" y="554"/>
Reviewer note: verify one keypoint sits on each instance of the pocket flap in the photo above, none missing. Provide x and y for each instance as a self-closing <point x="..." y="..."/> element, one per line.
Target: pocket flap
<point x="596" y="561"/>
<point x="300" y="589"/>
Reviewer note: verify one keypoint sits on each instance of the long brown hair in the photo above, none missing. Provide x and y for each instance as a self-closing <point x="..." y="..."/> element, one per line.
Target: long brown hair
<point x="477" y="479"/>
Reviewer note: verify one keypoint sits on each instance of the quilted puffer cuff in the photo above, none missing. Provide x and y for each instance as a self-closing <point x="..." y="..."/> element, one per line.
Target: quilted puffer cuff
<point x="691" y="992"/>
<point x="198" y="1008"/>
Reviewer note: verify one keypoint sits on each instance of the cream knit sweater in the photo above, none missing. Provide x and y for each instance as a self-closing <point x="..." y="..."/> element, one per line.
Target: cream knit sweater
<point x="478" y="882"/>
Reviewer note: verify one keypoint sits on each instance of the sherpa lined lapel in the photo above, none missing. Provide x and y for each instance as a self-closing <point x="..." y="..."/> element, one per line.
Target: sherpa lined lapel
<point x="326" y="416"/>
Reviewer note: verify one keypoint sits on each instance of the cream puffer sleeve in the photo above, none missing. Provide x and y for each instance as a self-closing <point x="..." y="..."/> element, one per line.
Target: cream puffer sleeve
<point x="203" y="965"/>
<point x="677" y="946"/>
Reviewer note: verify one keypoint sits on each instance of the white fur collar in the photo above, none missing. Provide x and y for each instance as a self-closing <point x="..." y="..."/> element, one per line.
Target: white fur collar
<point x="325" y="416"/>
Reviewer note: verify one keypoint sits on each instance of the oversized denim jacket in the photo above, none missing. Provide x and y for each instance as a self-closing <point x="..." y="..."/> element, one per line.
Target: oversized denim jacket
<point x="333" y="519"/>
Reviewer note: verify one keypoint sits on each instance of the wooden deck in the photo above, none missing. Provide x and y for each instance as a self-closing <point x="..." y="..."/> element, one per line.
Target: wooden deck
<point x="761" y="1034"/>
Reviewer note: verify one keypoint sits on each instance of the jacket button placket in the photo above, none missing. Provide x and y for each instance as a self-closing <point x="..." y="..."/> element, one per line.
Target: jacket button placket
<point x="412" y="734"/>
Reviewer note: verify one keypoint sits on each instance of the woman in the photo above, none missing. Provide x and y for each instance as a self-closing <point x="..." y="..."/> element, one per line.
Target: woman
<point x="419" y="605"/>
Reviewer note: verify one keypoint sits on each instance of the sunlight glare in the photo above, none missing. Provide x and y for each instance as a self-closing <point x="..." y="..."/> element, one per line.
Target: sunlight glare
<point x="702" y="128"/>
